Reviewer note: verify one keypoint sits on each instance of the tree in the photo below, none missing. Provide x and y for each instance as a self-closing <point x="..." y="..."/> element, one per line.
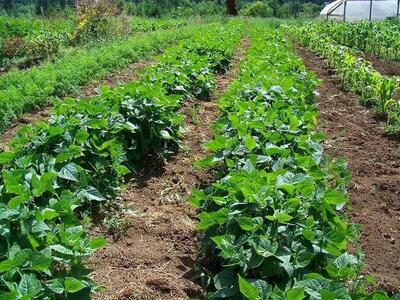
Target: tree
<point x="257" y="9"/>
<point x="231" y="6"/>
<point x="311" y="10"/>
<point x="8" y="5"/>
<point x="42" y="7"/>
<point x="289" y="10"/>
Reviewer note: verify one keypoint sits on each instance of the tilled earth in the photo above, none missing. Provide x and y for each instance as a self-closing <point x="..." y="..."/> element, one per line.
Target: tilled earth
<point x="154" y="254"/>
<point x="374" y="160"/>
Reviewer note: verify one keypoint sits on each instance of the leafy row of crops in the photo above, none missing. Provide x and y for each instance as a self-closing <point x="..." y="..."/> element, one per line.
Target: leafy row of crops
<point x="22" y="91"/>
<point x="379" y="38"/>
<point x="81" y="156"/>
<point x="24" y="42"/>
<point x="376" y="90"/>
<point x="24" y="27"/>
<point x="140" y="24"/>
<point x="273" y="226"/>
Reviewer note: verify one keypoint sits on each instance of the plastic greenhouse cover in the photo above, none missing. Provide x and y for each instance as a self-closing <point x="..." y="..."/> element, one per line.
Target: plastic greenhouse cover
<point x="359" y="10"/>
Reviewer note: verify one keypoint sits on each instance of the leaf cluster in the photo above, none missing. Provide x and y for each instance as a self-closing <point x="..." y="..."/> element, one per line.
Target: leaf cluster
<point x="74" y="70"/>
<point x="273" y="225"/>
<point x="81" y="157"/>
<point x="376" y="90"/>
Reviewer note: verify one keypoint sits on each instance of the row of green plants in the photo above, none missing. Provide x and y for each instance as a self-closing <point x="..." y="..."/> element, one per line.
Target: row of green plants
<point x="273" y="225"/>
<point x="376" y="90"/>
<point x="141" y="24"/>
<point x="79" y="158"/>
<point x="27" y="42"/>
<point x="22" y="91"/>
<point x="379" y="38"/>
<point x="21" y="27"/>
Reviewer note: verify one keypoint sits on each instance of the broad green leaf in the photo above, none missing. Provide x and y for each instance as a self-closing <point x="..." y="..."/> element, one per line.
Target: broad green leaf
<point x="380" y="296"/>
<point x="7" y="265"/>
<point x="295" y="294"/>
<point x="327" y="295"/>
<point x="16" y="201"/>
<point x="97" y="243"/>
<point x="34" y="243"/>
<point x="29" y="285"/>
<point x="40" y="262"/>
<point x="250" y="224"/>
<point x="69" y="172"/>
<point x="250" y="143"/>
<point x="81" y="136"/>
<point x="165" y="135"/>
<point x="73" y="285"/>
<point x="61" y="249"/>
<point x="247" y="290"/>
<point x="56" y="286"/>
<point x="224" y="279"/>
<point x="283" y="218"/>
<point x="309" y="234"/>
<point x="43" y="184"/>
<point x="48" y="214"/>
<point x="335" y="197"/>
<point x="91" y="194"/>
<point x="6" y="157"/>
<point x="264" y="247"/>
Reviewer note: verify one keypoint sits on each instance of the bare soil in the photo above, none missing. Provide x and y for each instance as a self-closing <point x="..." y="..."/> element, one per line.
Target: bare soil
<point x="374" y="160"/>
<point x="153" y="257"/>
<point x="385" y="67"/>
<point x="114" y="79"/>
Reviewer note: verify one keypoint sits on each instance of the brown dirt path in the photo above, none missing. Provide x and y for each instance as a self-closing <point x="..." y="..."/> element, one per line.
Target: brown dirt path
<point x="385" y="67"/>
<point x="131" y="73"/>
<point x="153" y="257"/>
<point x="374" y="160"/>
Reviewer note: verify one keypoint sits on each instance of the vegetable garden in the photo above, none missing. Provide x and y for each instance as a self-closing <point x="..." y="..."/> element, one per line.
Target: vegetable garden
<point x="272" y="222"/>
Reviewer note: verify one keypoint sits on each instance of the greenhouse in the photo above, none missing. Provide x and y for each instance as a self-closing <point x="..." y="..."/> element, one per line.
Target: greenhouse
<point x="355" y="10"/>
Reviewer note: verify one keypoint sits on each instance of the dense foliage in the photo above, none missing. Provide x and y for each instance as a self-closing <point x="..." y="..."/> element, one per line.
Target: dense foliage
<point x="380" y="38"/>
<point x="157" y="8"/>
<point x="25" y="42"/>
<point x="377" y="91"/>
<point x="72" y="71"/>
<point x="80" y="157"/>
<point x="273" y="226"/>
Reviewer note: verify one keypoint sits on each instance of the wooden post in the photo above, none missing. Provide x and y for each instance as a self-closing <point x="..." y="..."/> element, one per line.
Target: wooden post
<point x="344" y="10"/>
<point x="231" y="7"/>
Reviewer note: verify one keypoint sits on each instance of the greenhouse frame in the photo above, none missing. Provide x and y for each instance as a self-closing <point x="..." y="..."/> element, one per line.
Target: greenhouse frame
<point x="367" y="10"/>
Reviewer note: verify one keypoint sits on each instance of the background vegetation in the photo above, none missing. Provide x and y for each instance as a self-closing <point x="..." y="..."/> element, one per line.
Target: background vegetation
<point x="169" y="8"/>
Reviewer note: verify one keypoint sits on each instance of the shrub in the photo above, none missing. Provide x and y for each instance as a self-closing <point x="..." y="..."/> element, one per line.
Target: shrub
<point x="311" y="10"/>
<point x="289" y="10"/>
<point x="258" y="9"/>
<point x="93" y="20"/>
